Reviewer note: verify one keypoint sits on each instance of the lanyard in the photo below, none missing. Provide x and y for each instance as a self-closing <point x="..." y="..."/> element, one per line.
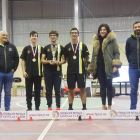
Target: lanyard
<point x="34" y="53"/>
<point x="74" y="50"/>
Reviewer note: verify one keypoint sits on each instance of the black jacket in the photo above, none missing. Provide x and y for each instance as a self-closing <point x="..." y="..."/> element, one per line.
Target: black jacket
<point x="133" y="52"/>
<point x="9" y="58"/>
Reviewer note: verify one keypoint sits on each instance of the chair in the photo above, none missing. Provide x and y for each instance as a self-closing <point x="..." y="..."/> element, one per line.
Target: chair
<point x="18" y="80"/>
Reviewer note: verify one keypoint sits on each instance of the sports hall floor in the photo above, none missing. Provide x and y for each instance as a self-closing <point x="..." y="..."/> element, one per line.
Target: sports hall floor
<point x="71" y="129"/>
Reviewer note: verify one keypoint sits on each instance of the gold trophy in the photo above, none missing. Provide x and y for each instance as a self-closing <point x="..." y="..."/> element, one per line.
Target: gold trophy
<point x="53" y="53"/>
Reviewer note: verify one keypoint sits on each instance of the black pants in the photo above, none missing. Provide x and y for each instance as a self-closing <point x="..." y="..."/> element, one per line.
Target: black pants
<point x="105" y="86"/>
<point x="36" y="80"/>
<point x="53" y="78"/>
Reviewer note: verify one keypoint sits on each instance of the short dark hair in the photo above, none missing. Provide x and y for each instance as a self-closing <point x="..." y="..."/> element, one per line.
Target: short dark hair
<point x="136" y="23"/>
<point x="33" y="32"/>
<point x="53" y="32"/>
<point x="104" y="25"/>
<point x="74" y="29"/>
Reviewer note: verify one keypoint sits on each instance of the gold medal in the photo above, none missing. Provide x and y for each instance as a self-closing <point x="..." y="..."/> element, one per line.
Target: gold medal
<point x="74" y="57"/>
<point x="34" y="60"/>
<point x="74" y="50"/>
<point x="34" y="53"/>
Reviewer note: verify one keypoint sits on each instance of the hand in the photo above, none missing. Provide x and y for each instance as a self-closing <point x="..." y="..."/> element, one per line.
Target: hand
<point x="58" y="63"/>
<point x="115" y="69"/>
<point x="53" y="62"/>
<point x="12" y="70"/>
<point x="25" y="75"/>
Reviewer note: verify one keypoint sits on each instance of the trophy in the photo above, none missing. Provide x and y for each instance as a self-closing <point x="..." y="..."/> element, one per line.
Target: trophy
<point x="53" y="53"/>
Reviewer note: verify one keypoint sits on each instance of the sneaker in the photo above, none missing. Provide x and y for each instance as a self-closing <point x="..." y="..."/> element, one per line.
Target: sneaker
<point x="70" y="109"/>
<point x="37" y="108"/>
<point x="58" y="108"/>
<point x="84" y="109"/>
<point x="7" y="109"/>
<point x="29" y="109"/>
<point x="49" y="108"/>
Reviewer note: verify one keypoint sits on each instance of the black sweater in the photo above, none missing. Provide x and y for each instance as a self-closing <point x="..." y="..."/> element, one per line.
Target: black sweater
<point x="100" y="59"/>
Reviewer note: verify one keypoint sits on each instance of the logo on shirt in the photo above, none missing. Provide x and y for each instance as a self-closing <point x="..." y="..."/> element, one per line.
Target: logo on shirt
<point x="10" y="49"/>
<point x="48" y="50"/>
<point x="28" y="51"/>
<point x="69" y="49"/>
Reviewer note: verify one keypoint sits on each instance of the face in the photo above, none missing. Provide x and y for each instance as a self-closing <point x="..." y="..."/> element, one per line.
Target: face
<point x="137" y="29"/>
<point x="34" y="38"/>
<point x="74" y="34"/>
<point x="53" y="37"/>
<point x="103" y="32"/>
<point x="3" y="36"/>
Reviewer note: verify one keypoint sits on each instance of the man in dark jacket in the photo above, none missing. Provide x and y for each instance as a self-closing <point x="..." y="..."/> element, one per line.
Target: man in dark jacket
<point x="9" y="60"/>
<point x="133" y="57"/>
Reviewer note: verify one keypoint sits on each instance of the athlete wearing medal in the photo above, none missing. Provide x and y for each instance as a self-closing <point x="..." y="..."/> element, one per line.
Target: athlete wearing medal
<point x="76" y="55"/>
<point x="53" y="58"/>
<point x="32" y="70"/>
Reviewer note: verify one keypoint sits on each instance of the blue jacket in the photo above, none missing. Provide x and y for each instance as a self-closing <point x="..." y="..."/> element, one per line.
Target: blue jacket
<point x="133" y="52"/>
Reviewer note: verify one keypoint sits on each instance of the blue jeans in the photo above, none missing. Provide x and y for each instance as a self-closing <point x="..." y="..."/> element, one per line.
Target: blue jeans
<point x="6" y="79"/>
<point x="134" y="75"/>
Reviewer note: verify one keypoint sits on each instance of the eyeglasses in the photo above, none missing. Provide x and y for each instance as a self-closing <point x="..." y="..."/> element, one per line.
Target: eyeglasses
<point x="52" y="35"/>
<point x="74" y="33"/>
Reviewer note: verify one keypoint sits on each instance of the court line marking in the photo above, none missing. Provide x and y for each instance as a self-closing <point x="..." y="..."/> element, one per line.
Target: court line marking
<point x="50" y="124"/>
<point x="45" y="130"/>
<point x="18" y="104"/>
<point x="84" y="134"/>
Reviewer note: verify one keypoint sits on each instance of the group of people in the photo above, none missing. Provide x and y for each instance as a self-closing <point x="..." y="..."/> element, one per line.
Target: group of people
<point x="52" y="57"/>
<point x="38" y="61"/>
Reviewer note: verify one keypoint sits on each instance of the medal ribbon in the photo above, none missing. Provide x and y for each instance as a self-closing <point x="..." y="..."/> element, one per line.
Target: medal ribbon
<point x="74" y="50"/>
<point x="34" y="53"/>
